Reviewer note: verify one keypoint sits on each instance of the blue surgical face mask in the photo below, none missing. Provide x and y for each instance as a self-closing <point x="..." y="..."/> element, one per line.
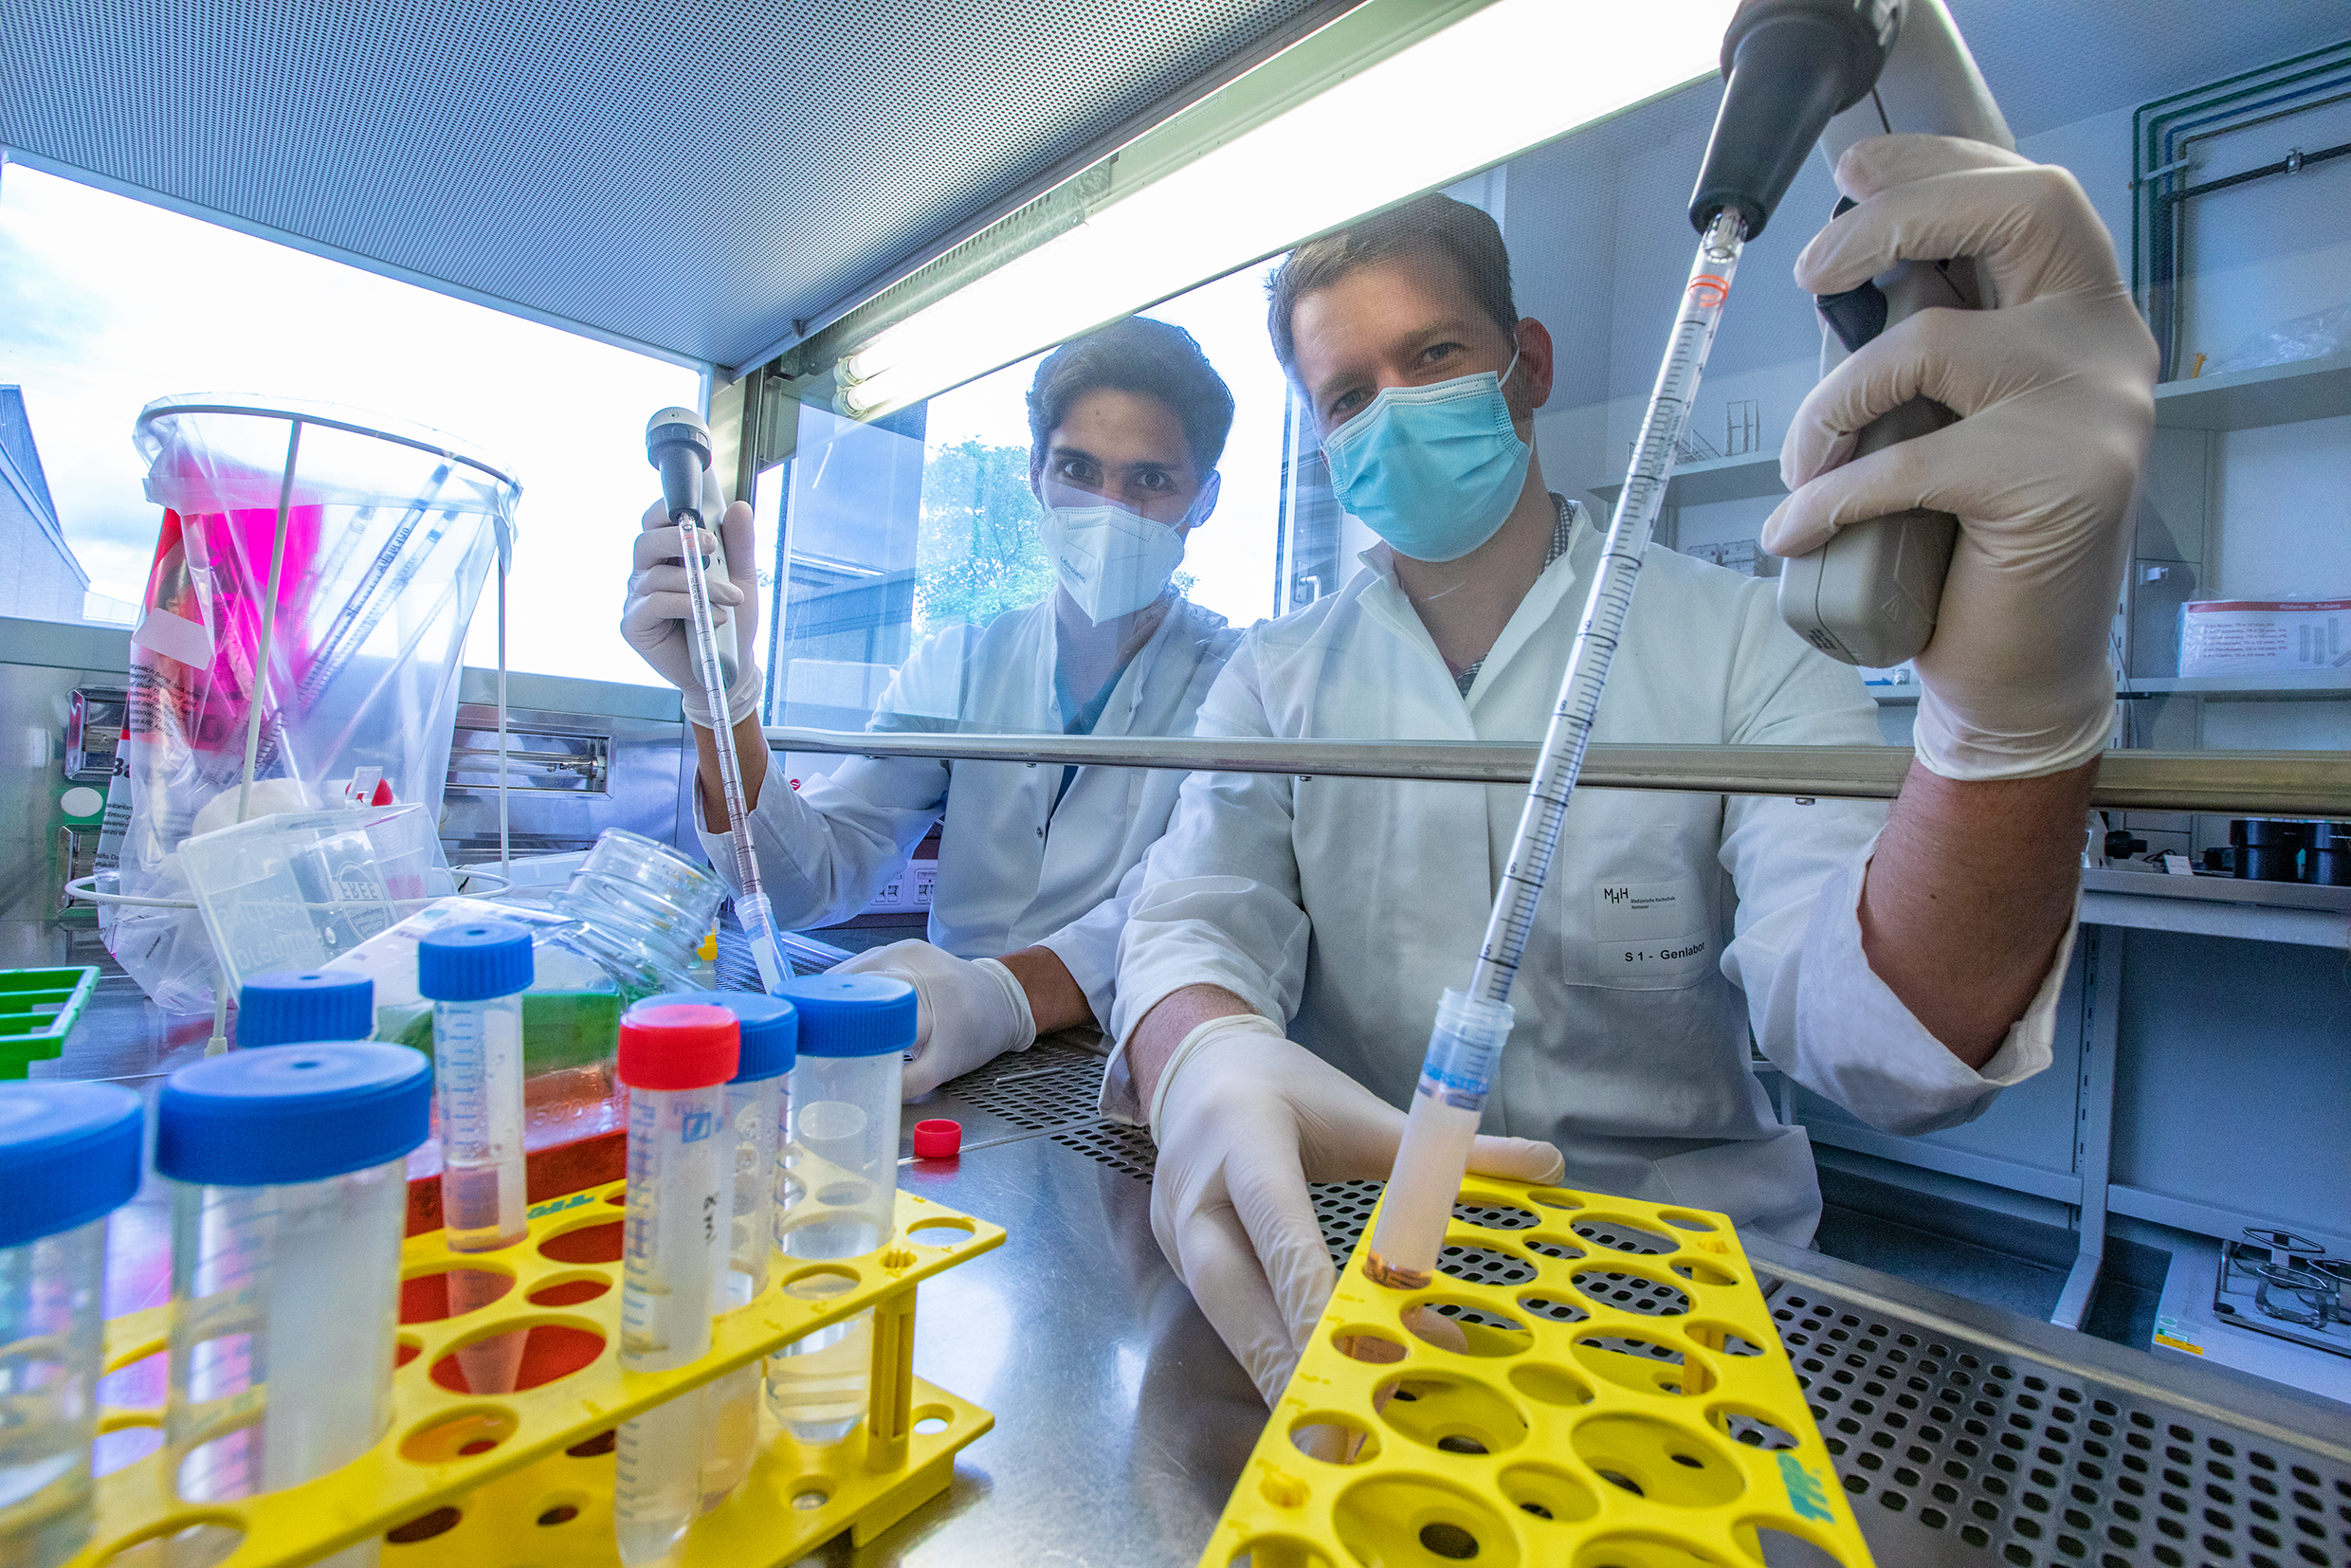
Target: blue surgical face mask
<point x="1433" y="470"/>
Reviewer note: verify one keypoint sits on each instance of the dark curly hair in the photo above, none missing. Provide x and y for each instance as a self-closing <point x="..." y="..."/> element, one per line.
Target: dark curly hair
<point x="1141" y="356"/>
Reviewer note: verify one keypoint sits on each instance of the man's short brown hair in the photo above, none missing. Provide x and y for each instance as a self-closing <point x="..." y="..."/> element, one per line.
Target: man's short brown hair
<point x="1433" y="225"/>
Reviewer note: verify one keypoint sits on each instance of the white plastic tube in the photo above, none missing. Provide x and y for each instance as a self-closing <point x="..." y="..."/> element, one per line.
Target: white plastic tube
<point x="731" y="1405"/>
<point x="676" y="1060"/>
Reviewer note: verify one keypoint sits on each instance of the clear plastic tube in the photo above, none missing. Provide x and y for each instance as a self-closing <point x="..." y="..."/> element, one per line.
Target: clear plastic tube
<point x="840" y="1195"/>
<point x="677" y="1200"/>
<point x="477" y="1059"/>
<point x="1458" y="1071"/>
<point x="292" y="1289"/>
<point x="731" y="1404"/>
<point x="49" y="1338"/>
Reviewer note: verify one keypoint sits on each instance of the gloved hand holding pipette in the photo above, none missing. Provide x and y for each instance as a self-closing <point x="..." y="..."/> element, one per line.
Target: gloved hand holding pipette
<point x="654" y="619"/>
<point x="2055" y="391"/>
<point x="1244" y="1120"/>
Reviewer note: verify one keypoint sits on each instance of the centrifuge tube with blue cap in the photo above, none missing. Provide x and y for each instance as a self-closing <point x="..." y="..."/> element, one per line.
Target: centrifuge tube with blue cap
<point x="475" y="975"/>
<point x="69" y="1156"/>
<point x="754" y="1104"/>
<point x="290" y="1198"/>
<point x="676" y="1060"/>
<point x="305" y="1006"/>
<point x="840" y="1182"/>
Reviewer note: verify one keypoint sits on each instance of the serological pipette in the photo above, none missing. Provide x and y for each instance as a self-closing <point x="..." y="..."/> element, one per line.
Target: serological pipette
<point x="1791" y="64"/>
<point x="678" y="444"/>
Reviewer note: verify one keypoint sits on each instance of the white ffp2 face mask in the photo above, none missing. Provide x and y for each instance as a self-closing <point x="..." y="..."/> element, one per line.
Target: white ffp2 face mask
<point x="1110" y="560"/>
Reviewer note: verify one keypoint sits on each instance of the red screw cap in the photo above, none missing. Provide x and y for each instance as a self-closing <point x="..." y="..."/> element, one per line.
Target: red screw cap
<point x="937" y="1138"/>
<point x="680" y="1047"/>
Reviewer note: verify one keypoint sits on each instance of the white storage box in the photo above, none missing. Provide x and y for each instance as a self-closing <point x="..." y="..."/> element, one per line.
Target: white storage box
<point x="2264" y="636"/>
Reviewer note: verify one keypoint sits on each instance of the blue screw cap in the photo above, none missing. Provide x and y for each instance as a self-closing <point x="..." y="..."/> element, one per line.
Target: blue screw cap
<point x="317" y="1004"/>
<point x="853" y="1015"/>
<point x="296" y="1113"/>
<point x="68" y="1154"/>
<point x="474" y="963"/>
<point x="771" y="1028"/>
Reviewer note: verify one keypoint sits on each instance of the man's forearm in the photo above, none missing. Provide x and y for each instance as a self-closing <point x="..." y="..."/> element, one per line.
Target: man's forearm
<point x="751" y="749"/>
<point x="1968" y="895"/>
<point x="1163" y="1029"/>
<point x="1054" y="999"/>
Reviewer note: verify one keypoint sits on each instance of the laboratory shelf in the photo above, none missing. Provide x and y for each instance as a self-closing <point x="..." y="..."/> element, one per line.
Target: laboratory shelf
<point x="1742" y="478"/>
<point x="2245" y="400"/>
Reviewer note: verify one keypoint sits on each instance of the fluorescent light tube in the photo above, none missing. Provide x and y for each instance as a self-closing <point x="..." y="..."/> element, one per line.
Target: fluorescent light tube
<point x="1504" y="78"/>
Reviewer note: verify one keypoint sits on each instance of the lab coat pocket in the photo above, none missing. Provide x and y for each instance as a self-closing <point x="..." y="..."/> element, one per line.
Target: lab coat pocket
<point x="1633" y="914"/>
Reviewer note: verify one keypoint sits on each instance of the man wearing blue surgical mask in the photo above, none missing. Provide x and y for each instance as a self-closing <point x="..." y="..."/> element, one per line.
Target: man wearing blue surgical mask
<point x="1127" y="425"/>
<point x="1290" y="938"/>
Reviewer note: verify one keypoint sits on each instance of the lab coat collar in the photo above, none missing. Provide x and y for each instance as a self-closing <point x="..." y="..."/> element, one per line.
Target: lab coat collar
<point x="1385" y="600"/>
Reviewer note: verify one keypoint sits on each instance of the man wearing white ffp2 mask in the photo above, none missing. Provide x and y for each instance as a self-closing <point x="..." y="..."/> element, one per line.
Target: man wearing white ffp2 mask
<point x="1127" y="425"/>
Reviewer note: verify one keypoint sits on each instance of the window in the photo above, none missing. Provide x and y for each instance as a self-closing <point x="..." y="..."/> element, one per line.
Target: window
<point x="106" y="304"/>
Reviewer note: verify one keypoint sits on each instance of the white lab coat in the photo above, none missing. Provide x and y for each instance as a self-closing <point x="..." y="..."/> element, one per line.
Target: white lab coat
<point x="1342" y="908"/>
<point x="1014" y="870"/>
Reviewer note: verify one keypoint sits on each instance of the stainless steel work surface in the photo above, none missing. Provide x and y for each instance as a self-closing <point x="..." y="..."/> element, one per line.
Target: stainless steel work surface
<point x="1965" y="1434"/>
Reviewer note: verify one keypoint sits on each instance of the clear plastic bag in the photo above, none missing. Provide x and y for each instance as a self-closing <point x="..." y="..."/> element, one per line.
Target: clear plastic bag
<point x="2312" y="336"/>
<point x="390" y="533"/>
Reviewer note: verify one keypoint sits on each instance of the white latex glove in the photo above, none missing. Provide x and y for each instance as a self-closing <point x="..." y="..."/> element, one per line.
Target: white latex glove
<point x="654" y="619"/>
<point x="969" y="1012"/>
<point x="2055" y="388"/>
<point x="1245" y="1119"/>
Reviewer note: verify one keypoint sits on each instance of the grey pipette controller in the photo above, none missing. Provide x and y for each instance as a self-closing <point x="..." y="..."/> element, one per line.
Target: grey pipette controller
<point x="1872" y="594"/>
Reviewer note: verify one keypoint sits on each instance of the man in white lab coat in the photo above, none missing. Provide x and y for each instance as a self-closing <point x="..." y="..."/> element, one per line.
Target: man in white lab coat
<point x="1284" y="954"/>
<point x="1127" y="425"/>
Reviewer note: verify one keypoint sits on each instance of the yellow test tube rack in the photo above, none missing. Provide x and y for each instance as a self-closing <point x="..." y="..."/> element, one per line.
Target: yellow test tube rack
<point x="499" y="1480"/>
<point x="1589" y="1382"/>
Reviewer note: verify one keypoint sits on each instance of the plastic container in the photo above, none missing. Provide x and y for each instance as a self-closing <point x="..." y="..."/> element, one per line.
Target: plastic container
<point x="289" y="1203"/>
<point x="298" y="888"/>
<point x="754" y="1115"/>
<point x="475" y="975"/>
<point x="37" y="1011"/>
<point x="69" y="1156"/>
<point x="301" y="1007"/>
<point x="840" y="1180"/>
<point x="646" y="909"/>
<point x="676" y="1060"/>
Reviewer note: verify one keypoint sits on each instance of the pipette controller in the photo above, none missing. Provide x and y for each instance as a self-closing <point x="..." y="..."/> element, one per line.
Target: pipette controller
<point x="1872" y="593"/>
<point x="676" y="1060"/>
<point x="1791" y="65"/>
<point x="677" y="443"/>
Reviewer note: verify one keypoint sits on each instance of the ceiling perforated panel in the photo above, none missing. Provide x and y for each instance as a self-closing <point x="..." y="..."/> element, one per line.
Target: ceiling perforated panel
<point x="691" y="176"/>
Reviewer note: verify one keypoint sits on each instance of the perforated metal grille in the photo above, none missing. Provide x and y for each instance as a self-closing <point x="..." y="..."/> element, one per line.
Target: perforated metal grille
<point x="1113" y="1144"/>
<point x="1625" y="1238"/>
<point x="1046" y="1085"/>
<point x="2036" y="1465"/>
<point x="1632" y="1293"/>
<point x="763" y="161"/>
<point x="1482" y="1267"/>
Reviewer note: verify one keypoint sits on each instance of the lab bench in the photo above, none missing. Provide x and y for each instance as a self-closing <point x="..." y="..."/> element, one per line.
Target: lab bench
<point x="1965" y="1434"/>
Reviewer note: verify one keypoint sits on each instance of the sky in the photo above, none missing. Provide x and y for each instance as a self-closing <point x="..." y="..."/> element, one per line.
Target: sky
<point x="108" y="303"/>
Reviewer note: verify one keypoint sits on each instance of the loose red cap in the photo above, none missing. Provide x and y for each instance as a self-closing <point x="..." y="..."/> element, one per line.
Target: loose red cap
<point x="939" y="1138"/>
<point x="684" y="1045"/>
